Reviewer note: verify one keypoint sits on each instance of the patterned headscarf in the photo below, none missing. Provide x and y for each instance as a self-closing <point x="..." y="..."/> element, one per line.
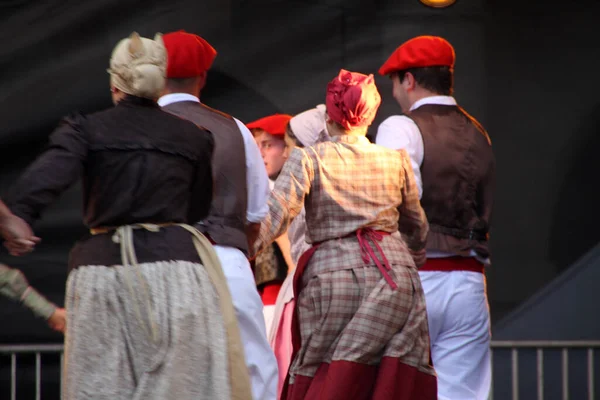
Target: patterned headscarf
<point x="138" y="65"/>
<point x="352" y="99"/>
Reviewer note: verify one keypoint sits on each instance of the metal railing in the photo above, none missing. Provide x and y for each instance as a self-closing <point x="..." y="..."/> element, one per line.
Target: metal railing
<point x="539" y="347"/>
<point x="38" y="350"/>
<point x="514" y="346"/>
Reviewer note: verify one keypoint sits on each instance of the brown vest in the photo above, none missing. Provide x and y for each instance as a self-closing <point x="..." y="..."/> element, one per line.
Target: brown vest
<point x="458" y="173"/>
<point x="227" y="219"/>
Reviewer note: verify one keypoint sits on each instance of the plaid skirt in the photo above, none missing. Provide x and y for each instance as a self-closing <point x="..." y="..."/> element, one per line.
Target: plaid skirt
<point x="362" y="339"/>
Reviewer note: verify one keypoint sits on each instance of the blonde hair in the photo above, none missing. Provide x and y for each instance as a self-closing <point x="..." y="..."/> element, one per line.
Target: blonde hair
<point x="138" y="66"/>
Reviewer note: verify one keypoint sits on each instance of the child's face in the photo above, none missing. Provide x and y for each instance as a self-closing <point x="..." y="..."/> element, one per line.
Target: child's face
<point x="274" y="152"/>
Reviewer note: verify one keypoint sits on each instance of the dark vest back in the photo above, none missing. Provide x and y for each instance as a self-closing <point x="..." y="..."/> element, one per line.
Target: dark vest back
<point x="458" y="174"/>
<point x="227" y="219"/>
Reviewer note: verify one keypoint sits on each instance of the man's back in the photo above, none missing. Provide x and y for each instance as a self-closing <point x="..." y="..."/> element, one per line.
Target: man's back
<point x="226" y="221"/>
<point x="458" y="173"/>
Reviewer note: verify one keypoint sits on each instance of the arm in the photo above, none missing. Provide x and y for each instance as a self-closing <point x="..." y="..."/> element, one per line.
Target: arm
<point x="14" y="285"/>
<point x="287" y="198"/>
<point x="256" y="179"/>
<point x="252" y="231"/>
<point x="400" y="132"/>
<point x="257" y="184"/>
<point x="52" y="173"/>
<point x="485" y="193"/>
<point x="18" y="236"/>
<point x="203" y="185"/>
<point x="4" y="211"/>
<point x="285" y="247"/>
<point x="412" y="223"/>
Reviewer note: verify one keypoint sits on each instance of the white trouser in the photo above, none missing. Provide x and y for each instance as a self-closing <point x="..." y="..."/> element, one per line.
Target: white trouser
<point x="269" y="314"/>
<point x="459" y="327"/>
<point x="260" y="358"/>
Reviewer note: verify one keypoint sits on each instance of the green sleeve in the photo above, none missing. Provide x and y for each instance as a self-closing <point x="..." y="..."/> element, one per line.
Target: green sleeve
<point x="14" y="285"/>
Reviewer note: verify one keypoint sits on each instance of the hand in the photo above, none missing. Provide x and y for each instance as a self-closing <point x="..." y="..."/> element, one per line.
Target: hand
<point x="58" y="320"/>
<point x="18" y="235"/>
<point x="20" y="247"/>
<point x="252" y="231"/>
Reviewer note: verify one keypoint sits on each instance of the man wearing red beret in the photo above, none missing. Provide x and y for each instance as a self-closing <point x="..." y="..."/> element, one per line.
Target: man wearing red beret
<point x="452" y="158"/>
<point x="272" y="265"/>
<point x="240" y="196"/>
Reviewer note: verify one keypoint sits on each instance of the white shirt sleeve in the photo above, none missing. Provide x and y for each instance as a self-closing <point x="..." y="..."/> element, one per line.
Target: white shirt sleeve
<point x="400" y="132"/>
<point x="257" y="180"/>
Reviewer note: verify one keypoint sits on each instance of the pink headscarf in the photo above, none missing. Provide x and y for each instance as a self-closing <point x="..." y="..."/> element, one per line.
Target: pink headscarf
<point x="352" y="99"/>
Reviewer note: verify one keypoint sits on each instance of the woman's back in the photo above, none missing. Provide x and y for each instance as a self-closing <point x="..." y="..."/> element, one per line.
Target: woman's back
<point x="345" y="185"/>
<point x="138" y="163"/>
<point x="143" y="165"/>
<point x="356" y="184"/>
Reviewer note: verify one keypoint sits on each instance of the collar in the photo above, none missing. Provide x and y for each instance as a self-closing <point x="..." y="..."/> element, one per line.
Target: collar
<point x="176" y="97"/>
<point x="135" y="100"/>
<point x="439" y="100"/>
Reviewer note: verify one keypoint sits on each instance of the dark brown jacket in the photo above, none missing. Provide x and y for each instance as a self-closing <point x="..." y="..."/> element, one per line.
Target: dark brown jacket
<point x="138" y="164"/>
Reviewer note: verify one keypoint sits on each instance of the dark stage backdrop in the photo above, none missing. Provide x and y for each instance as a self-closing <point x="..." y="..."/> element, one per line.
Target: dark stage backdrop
<point x="529" y="73"/>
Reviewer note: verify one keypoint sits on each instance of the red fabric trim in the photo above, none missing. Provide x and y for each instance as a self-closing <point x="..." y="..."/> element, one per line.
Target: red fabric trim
<point x="269" y="292"/>
<point x="342" y="380"/>
<point x="300" y="267"/>
<point x="367" y="253"/>
<point x="448" y="264"/>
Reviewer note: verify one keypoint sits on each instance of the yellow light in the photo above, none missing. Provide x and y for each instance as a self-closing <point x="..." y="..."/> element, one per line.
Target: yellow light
<point x="438" y="3"/>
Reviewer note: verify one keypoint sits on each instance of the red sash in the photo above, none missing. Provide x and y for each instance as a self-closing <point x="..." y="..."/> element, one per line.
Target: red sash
<point x="448" y="264"/>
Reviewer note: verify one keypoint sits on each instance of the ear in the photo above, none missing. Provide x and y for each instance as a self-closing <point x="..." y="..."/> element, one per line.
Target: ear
<point x="203" y="76"/>
<point x="287" y="150"/>
<point x="136" y="46"/>
<point x="409" y="81"/>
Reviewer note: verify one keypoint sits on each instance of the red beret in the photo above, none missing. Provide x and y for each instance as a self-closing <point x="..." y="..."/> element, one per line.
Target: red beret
<point x="188" y="55"/>
<point x="273" y="124"/>
<point x="419" y="52"/>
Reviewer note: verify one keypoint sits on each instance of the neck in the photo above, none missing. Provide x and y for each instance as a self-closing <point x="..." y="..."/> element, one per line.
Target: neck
<point x="188" y="86"/>
<point x="190" y="92"/>
<point x="421" y="93"/>
<point x="335" y="130"/>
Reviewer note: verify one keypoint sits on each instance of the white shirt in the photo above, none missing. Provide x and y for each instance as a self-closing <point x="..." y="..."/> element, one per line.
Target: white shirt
<point x="401" y="132"/>
<point x="257" y="180"/>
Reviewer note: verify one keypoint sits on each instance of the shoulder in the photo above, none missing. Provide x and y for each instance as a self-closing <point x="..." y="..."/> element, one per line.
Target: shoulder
<point x="77" y="118"/>
<point x="397" y="121"/>
<point x="177" y="123"/>
<point x="217" y="113"/>
<point x="394" y="125"/>
<point x="388" y="153"/>
<point x="398" y="131"/>
<point x="71" y="126"/>
<point x="299" y="153"/>
<point x="196" y="135"/>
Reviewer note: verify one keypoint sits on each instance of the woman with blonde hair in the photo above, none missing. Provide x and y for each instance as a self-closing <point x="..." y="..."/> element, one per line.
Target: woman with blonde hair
<point x="149" y="312"/>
